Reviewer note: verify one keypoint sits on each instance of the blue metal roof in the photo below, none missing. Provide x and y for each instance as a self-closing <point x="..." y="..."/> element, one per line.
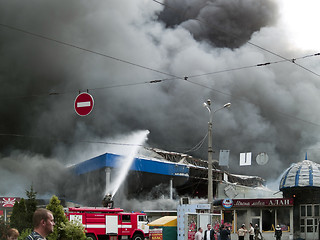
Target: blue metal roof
<point x="302" y="174"/>
<point x="139" y="164"/>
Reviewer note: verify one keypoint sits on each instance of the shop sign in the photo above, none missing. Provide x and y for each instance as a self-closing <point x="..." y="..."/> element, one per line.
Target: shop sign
<point x="227" y="203"/>
<point x="203" y="206"/>
<point x="156" y="234"/>
<point x="8" y="201"/>
<point x="270" y="202"/>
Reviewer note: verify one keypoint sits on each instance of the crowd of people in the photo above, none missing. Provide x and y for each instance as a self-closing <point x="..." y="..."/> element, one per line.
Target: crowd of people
<point x="43" y="222"/>
<point x="224" y="233"/>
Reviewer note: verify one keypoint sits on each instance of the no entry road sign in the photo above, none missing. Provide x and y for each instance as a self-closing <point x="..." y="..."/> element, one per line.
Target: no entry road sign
<point x="83" y="104"/>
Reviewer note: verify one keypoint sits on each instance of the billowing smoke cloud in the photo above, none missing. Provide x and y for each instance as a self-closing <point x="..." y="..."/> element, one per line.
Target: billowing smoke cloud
<point x="222" y="23"/>
<point x="267" y="102"/>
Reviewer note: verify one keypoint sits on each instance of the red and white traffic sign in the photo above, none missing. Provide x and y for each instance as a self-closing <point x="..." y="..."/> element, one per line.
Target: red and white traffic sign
<point x="83" y="104"/>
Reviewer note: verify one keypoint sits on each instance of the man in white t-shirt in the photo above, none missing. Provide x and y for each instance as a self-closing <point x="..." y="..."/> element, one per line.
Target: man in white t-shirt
<point x="198" y="235"/>
<point x="251" y="232"/>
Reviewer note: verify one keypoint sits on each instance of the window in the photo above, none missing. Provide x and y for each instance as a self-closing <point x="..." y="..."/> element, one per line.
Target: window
<point x="309" y="218"/>
<point x="309" y="221"/>
<point x="303" y="211"/>
<point x="126" y="218"/>
<point x="142" y="218"/>
<point x="228" y="216"/>
<point x="309" y="210"/>
<point x="283" y="218"/>
<point x="268" y="217"/>
<point x="316" y="210"/>
<point x="241" y="217"/>
<point x="256" y="221"/>
<point x="255" y="212"/>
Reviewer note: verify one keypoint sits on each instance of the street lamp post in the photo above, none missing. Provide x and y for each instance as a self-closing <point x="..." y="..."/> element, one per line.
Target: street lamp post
<point x="210" y="151"/>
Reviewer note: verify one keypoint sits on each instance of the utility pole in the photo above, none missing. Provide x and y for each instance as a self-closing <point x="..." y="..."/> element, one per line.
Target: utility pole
<point x="210" y="150"/>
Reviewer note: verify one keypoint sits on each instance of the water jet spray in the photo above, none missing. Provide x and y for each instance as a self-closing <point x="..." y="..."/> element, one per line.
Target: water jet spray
<point x="125" y="163"/>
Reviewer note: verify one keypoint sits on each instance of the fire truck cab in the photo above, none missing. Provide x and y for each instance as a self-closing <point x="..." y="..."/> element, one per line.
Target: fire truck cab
<point x="106" y="223"/>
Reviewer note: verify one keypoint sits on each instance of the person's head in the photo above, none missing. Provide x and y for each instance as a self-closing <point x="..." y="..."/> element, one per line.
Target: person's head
<point x="12" y="234"/>
<point x="243" y="226"/>
<point x="43" y="221"/>
<point x="222" y="226"/>
<point x="251" y="225"/>
<point x="256" y="225"/>
<point x="278" y="226"/>
<point x="209" y="226"/>
<point x="200" y="229"/>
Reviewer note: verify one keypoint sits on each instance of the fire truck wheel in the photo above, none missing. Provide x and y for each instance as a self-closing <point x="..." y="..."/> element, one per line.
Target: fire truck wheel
<point x="138" y="236"/>
<point x="91" y="237"/>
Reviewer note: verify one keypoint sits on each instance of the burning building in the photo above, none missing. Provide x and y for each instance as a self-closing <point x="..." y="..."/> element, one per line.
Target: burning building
<point x="161" y="173"/>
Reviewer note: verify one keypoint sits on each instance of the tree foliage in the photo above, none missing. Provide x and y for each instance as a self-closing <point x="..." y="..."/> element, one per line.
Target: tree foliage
<point x="3" y="228"/>
<point x="59" y="217"/>
<point x="73" y="231"/>
<point x="64" y="229"/>
<point x="18" y="217"/>
<point x="31" y="206"/>
<point x="22" y="212"/>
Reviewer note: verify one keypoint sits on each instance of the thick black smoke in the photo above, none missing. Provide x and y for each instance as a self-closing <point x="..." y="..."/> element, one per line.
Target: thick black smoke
<point x="221" y="23"/>
<point x="267" y="102"/>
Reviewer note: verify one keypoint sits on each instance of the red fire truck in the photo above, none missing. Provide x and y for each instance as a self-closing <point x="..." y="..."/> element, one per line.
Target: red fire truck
<point x="110" y="223"/>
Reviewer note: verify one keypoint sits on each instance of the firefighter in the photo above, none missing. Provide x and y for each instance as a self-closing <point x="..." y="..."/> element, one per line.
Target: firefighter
<point x="278" y="233"/>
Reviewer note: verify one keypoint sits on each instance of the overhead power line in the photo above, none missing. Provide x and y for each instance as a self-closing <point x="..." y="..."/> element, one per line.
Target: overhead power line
<point x="236" y="37"/>
<point x="243" y="100"/>
<point x="55" y="93"/>
<point x="253" y="66"/>
<point x="174" y="77"/>
<point x="85" y="49"/>
<point x="186" y="78"/>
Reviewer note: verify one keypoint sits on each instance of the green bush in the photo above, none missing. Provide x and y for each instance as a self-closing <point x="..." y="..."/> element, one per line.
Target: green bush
<point x="72" y="231"/>
<point x="3" y="228"/>
<point x="63" y="229"/>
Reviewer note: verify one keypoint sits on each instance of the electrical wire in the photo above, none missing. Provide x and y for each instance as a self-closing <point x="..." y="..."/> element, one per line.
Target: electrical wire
<point x="243" y="100"/>
<point x="186" y="78"/>
<point x="138" y="65"/>
<point x="248" y="42"/>
<point x="253" y="66"/>
<point x="84" y="49"/>
<point x="165" y="79"/>
<point x="198" y="145"/>
<point x="55" y="93"/>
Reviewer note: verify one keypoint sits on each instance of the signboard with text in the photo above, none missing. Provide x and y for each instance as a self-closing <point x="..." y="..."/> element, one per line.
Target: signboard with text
<point x="156" y="234"/>
<point x="263" y="202"/>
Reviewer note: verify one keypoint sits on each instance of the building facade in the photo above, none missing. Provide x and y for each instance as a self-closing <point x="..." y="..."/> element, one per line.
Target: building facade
<point x="301" y="182"/>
